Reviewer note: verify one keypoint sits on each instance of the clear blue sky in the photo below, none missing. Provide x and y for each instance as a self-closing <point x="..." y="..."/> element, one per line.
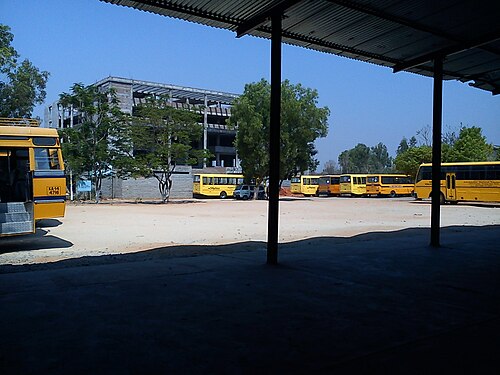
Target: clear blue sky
<point x="87" y="40"/>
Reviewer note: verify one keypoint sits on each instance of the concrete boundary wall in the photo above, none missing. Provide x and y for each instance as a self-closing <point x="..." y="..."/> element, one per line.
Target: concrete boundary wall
<point x="147" y="188"/>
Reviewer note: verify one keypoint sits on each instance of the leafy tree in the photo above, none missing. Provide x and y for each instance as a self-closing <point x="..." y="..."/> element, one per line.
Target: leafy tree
<point x="364" y="159"/>
<point x="330" y="167"/>
<point x="302" y="122"/>
<point x="409" y="161"/>
<point x="380" y="161"/>
<point x="155" y="140"/>
<point x="344" y="161"/>
<point x="22" y="85"/>
<point x="86" y="147"/>
<point x="8" y="55"/>
<point x="470" y="145"/>
<point x="403" y="146"/>
<point x="359" y="157"/>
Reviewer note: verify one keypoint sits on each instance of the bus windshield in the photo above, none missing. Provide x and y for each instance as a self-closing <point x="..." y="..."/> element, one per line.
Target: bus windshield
<point x="345" y="179"/>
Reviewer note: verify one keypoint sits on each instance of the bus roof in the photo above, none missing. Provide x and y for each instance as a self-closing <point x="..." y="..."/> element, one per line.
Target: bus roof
<point x="10" y="121"/>
<point x="28" y="131"/>
<point x="388" y="174"/>
<point x="219" y="174"/>
<point x="465" y="163"/>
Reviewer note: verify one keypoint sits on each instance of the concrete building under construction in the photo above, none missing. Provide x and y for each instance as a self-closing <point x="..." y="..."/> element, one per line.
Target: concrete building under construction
<point x="214" y="108"/>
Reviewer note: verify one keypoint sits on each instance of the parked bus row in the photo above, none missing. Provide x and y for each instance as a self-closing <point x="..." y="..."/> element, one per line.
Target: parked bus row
<point x="32" y="180"/>
<point x="474" y="181"/>
<point x="353" y="185"/>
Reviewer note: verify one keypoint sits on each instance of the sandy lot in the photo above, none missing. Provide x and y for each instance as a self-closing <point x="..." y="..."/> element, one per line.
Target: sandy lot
<point x="121" y="227"/>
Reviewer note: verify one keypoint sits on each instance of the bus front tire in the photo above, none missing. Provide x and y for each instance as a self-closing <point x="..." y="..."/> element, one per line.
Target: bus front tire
<point x="223" y="195"/>
<point x="393" y="194"/>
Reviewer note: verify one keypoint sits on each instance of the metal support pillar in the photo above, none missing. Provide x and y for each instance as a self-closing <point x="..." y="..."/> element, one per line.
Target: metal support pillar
<point x="205" y="128"/>
<point x="437" y="114"/>
<point x="274" y="141"/>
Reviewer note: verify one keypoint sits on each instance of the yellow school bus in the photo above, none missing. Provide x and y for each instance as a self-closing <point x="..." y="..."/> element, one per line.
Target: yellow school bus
<point x="32" y="180"/>
<point x="329" y="185"/>
<point x="473" y="181"/>
<point x="215" y="185"/>
<point x="353" y="184"/>
<point x="391" y="185"/>
<point x="306" y="185"/>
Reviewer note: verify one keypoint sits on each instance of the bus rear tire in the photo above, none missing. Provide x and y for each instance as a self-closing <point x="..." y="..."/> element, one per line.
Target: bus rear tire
<point x="223" y="195"/>
<point x="442" y="200"/>
<point x="393" y="194"/>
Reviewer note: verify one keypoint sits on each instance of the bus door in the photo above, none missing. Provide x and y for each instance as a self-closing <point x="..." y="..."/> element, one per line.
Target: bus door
<point x="451" y="186"/>
<point x="49" y="184"/>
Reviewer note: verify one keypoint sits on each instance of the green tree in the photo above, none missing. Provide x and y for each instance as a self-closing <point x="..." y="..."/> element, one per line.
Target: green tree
<point x="330" y="167"/>
<point x="359" y="158"/>
<point x="380" y="161"/>
<point x="86" y="147"/>
<point x="409" y="161"/>
<point x="403" y="146"/>
<point x="22" y="85"/>
<point x="364" y="159"/>
<point x="344" y="161"/>
<point x="471" y="145"/>
<point x="302" y="122"/>
<point x="157" y="138"/>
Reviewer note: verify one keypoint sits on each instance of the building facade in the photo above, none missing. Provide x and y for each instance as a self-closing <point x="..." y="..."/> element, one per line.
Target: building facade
<point x="213" y="107"/>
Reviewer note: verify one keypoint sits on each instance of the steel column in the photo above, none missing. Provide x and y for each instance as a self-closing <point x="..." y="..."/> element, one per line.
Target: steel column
<point x="274" y="141"/>
<point x="205" y="128"/>
<point x="437" y="113"/>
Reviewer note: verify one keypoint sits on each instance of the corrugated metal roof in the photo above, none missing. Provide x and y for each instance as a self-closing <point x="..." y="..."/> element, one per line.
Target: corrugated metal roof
<point x="401" y="34"/>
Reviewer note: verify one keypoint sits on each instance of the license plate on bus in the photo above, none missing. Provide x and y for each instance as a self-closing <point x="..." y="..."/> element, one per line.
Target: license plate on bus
<point x="53" y="190"/>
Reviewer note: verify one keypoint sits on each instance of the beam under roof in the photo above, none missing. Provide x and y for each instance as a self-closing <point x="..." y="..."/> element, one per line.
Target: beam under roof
<point x="264" y="15"/>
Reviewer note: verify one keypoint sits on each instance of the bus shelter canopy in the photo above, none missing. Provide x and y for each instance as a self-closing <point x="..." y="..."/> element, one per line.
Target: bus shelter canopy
<point x="405" y="35"/>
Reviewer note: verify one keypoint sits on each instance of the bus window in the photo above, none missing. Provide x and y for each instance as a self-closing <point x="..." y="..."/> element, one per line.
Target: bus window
<point x="44" y="141"/>
<point x="46" y="158"/>
<point x="196" y="178"/>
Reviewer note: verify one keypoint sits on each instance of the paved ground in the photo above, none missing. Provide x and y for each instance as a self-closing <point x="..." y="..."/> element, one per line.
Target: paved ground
<point x="94" y="230"/>
<point x="370" y="302"/>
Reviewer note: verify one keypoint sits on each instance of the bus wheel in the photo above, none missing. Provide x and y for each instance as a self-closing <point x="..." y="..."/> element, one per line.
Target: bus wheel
<point x="223" y="195"/>
<point x="441" y="199"/>
<point x="393" y="194"/>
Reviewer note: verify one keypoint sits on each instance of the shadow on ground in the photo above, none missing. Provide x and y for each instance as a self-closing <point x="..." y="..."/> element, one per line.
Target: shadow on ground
<point x="36" y="241"/>
<point x="373" y="303"/>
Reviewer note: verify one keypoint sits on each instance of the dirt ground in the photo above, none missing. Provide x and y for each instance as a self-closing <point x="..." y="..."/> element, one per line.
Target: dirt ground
<point x="123" y="227"/>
